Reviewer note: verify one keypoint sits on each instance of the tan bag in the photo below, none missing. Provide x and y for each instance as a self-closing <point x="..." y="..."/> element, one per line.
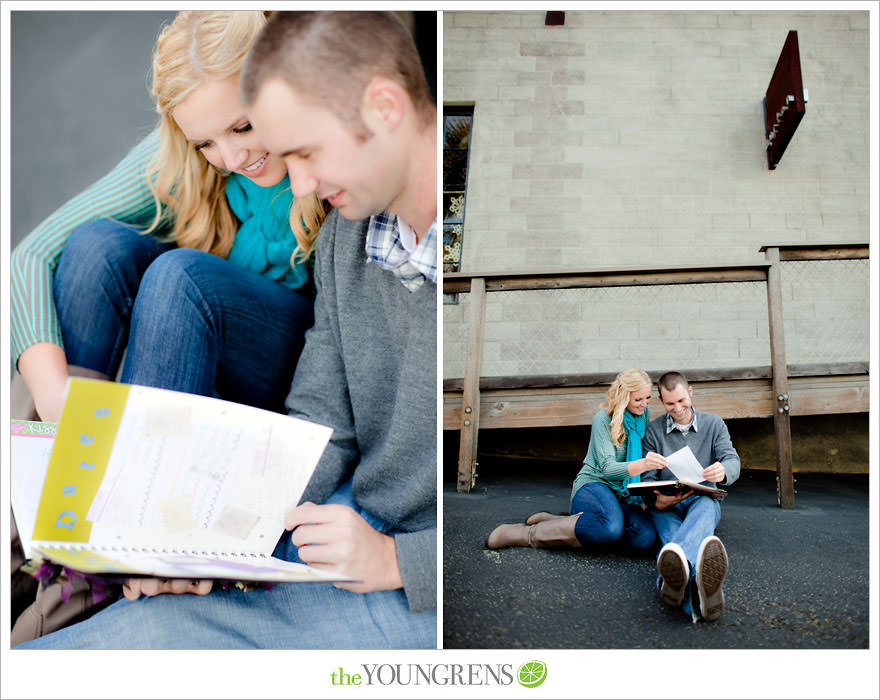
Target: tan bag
<point x="24" y="586"/>
<point x="39" y="610"/>
<point x="21" y="403"/>
<point x="46" y="610"/>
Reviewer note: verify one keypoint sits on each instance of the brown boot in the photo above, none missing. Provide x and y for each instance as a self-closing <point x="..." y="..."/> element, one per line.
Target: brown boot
<point x="514" y="535"/>
<point x="558" y="532"/>
<point x="541" y="516"/>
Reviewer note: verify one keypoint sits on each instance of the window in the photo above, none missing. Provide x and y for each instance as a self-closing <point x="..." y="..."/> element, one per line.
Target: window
<point x="457" y="121"/>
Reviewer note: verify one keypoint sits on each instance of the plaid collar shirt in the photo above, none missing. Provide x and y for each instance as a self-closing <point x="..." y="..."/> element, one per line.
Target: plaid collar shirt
<point x="672" y="425"/>
<point x="386" y="247"/>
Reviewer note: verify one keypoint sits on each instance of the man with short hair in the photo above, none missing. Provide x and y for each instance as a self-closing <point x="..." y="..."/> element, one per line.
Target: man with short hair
<point x="360" y="129"/>
<point x="343" y="99"/>
<point x="692" y="563"/>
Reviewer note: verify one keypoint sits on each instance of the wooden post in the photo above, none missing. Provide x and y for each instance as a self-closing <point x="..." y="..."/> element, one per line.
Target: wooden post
<point x="470" y="400"/>
<point x="779" y="368"/>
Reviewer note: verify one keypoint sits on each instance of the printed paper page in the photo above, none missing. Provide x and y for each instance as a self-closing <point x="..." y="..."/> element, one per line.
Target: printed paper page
<point x="141" y="467"/>
<point x="30" y="448"/>
<point x="202" y="474"/>
<point x="685" y="465"/>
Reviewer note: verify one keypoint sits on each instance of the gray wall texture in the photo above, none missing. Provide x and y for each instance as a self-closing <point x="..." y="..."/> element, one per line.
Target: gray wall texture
<point x="79" y="100"/>
<point x="633" y="138"/>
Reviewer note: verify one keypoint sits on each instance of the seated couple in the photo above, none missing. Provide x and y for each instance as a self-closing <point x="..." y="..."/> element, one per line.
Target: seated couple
<point x="626" y="446"/>
<point x="242" y="284"/>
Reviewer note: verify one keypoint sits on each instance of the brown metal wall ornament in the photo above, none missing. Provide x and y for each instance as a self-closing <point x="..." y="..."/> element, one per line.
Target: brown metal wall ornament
<point x="784" y="102"/>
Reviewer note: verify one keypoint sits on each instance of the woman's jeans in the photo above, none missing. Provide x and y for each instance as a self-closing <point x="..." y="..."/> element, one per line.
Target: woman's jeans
<point x="186" y="320"/>
<point x="605" y="519"/>
<point x="289" y="616"/>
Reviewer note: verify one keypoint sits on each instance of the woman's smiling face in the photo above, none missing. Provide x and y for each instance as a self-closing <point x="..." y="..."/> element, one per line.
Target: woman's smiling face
<point x="212" y="120"/>
<point x="638" y="401"/>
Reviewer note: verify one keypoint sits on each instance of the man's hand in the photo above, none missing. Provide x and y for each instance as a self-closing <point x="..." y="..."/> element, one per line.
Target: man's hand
<point x="134" y="588"/>
<point x="714" y="473"/>
<point x="334" y="537"/>
<point x="664" y="501"/>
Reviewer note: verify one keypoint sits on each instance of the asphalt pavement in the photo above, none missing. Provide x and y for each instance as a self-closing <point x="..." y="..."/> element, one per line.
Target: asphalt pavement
<point x="798" y="578"/>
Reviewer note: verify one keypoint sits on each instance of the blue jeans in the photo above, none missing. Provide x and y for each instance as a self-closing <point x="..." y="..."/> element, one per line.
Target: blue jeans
<point x="290" y="616"/>
<point x="605" y="519"/>
<point x="688" y="523"/>
<point x="95" y="285"/>
<point x="191" y="321"/>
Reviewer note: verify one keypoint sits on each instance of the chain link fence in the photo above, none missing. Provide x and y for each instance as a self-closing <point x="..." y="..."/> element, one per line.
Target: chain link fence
<point x="660" y="327"/>
<point x="826" y="306"/>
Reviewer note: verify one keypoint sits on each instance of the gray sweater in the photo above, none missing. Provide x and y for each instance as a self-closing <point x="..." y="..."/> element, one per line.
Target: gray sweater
<point x="710" y="443"/>
<point x="369" y="370"/>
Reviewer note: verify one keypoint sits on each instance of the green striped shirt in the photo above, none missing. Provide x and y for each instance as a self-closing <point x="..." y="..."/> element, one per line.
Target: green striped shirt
<point x="605" y="463"/>
<point x="122" y="195"/>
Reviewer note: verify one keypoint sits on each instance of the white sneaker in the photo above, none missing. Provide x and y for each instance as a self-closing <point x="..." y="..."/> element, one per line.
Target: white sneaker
<point x="712" y="565"/>
<point x="672" y="565"/>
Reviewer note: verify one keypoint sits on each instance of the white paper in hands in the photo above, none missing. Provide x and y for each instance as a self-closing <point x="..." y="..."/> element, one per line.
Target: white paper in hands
<point x="685" y="465"/>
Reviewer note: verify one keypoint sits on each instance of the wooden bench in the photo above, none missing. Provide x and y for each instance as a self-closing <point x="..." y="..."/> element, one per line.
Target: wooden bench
<point x="778" y="390"/>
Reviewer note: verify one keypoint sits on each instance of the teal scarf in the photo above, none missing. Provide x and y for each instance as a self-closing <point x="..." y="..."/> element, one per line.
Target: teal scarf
<point x="264" y="241"/>
<point x="634" y="426"/>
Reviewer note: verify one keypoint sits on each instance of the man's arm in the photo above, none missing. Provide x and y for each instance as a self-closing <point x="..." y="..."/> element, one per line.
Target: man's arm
<point x="725" y="454"/>
<point x="417" y="557"/>
<point x="321" y="393"/>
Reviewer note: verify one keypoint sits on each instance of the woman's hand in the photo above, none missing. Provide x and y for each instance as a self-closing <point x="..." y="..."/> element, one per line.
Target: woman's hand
<point x="654" y="461"/>
<point x="650" y="462"/>
<point x="134" y="588"/>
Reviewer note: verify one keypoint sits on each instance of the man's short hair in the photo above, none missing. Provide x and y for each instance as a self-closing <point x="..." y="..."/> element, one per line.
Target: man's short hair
<point x="669" y="381"/>
<point x="332" y="56"/>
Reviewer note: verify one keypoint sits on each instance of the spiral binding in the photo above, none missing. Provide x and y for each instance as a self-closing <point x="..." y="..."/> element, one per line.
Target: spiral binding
<point x="78" y="547"/>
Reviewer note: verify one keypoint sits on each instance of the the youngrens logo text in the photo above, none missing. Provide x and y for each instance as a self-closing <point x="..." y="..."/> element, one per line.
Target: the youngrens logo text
<point x="530" y="674"/>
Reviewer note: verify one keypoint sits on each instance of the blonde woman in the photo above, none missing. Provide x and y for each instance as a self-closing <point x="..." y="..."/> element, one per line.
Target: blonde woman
<point x="191" y="256"/>
<point x="603" y="510"/>
<point x="191" y="253"/>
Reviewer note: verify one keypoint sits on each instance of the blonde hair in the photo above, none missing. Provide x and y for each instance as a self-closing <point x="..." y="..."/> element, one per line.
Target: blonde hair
<point x="618" y="396"/>
<point x="188" y="190"/>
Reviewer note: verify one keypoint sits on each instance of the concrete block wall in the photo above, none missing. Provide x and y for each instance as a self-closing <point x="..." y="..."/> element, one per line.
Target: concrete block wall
<point x="630" y="138"/>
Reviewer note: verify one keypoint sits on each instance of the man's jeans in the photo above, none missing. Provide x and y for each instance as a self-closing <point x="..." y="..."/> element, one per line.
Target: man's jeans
<point x="191" y="321"/>
<point x="688" y="523"/>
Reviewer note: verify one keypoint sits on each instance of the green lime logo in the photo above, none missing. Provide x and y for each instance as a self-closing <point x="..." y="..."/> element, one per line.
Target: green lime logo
<point x="531" y="674"/>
